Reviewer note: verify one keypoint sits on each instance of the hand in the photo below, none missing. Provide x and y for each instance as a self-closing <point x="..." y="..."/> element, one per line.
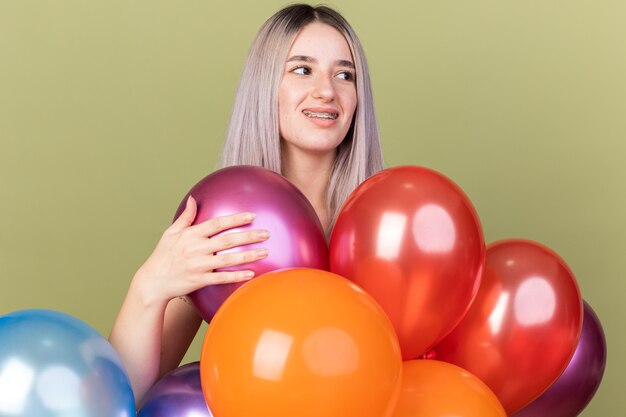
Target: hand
<point x="184" y="259"/>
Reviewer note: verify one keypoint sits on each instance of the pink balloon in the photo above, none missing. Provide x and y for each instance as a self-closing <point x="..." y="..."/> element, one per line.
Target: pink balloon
<point x="297" y="238"/>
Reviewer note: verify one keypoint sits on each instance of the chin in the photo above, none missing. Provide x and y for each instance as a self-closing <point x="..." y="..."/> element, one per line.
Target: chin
<point x="313" y="144"/>
<point x="322" y="150"/>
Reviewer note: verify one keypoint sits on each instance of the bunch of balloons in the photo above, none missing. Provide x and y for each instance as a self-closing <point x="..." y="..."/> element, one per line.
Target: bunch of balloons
<point x="409" y="277"/>
<point x="405" y="313"/>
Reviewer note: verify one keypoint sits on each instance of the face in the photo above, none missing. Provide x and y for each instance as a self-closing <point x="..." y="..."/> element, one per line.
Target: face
<point x="317" y="95"/>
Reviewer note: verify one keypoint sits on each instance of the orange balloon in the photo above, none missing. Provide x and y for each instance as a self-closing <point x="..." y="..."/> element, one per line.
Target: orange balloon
<point x="301" y="342"/>
<point x="438" y="389"/>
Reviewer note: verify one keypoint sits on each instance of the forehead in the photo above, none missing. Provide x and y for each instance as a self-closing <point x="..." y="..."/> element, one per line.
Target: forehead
<point x="321" y="41"/>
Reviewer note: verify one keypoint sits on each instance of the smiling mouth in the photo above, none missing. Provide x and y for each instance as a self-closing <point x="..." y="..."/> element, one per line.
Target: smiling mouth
<point x="320" y="115"/>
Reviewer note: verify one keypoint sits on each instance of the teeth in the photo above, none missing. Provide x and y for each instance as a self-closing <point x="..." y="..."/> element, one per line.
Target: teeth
<point x="322" y="115"/>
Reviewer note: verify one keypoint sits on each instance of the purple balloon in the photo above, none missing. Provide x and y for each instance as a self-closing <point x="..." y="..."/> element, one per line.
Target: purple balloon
<point x="296" y="234"/>
<point x="177" y="394"/>
<point x="573" y="390"/>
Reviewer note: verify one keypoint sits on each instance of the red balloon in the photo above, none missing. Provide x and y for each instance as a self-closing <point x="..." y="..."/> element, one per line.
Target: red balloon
<point x="524" y="325"/>
<point x="411" y="238"/>
<point x="297" y="238"/>
<point x="577" y="385"/>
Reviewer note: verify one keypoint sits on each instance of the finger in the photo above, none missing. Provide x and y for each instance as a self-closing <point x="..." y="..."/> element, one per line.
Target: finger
<point x="186" y="218"/>
<point x="233" y="239"/>
<point x="219" y="224"/>
<point x="226" y="241"/>
<point x="224" y="260"/>
<point x="226" y="277"/>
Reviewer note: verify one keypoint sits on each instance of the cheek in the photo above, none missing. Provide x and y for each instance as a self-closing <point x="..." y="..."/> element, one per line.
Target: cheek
<point x="349" y="98"/>
<point x="349" y="102"/>
<point x="283" y="108"/>
<point x="287" y="103"/>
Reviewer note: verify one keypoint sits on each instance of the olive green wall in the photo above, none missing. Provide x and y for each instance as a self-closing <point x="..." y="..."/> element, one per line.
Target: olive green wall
<point x="111" y="110"/>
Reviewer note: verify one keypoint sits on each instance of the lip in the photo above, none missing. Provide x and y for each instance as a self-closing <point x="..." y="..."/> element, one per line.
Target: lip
<point x="321" y="122"/>
<point x="321" y="110"/>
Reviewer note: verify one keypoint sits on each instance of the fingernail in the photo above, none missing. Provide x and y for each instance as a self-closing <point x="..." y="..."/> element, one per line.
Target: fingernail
<point x="248" y="217"/>
<point x="261" y="253"/>
<point x="248" y="274"/>
<point x="264" y="234"/>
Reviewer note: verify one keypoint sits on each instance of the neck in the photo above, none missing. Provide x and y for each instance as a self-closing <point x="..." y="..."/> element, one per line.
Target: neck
<point x="310" y="173"/>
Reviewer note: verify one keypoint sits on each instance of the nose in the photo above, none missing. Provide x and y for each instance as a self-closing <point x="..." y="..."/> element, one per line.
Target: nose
<point x="323" y="88"/>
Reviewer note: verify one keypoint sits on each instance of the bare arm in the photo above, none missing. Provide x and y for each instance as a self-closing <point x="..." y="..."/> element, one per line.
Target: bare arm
<point x="179" y="329"/>
<point x="153" y="328"/>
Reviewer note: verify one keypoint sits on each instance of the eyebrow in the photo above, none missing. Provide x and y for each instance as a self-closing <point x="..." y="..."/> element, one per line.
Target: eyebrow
<point x="304" y="58"/>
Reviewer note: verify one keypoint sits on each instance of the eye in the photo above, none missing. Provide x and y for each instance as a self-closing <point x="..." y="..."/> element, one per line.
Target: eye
<point x="301" y="70"/>
<point x="346" y="75"/>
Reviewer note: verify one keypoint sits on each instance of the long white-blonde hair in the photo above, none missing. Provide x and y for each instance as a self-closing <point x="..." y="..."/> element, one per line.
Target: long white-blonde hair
<point x="253" y="136"/>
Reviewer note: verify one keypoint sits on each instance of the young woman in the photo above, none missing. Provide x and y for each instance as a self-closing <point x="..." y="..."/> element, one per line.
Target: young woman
<point x="304" y="109"/>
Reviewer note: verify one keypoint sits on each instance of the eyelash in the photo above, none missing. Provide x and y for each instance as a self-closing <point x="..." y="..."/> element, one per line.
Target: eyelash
<point x="350" y="75"/>
<point x="294" y="69"/>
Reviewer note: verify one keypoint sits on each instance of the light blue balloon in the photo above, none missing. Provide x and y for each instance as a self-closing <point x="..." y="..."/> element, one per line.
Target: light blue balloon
<point x="55" y="365"/>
